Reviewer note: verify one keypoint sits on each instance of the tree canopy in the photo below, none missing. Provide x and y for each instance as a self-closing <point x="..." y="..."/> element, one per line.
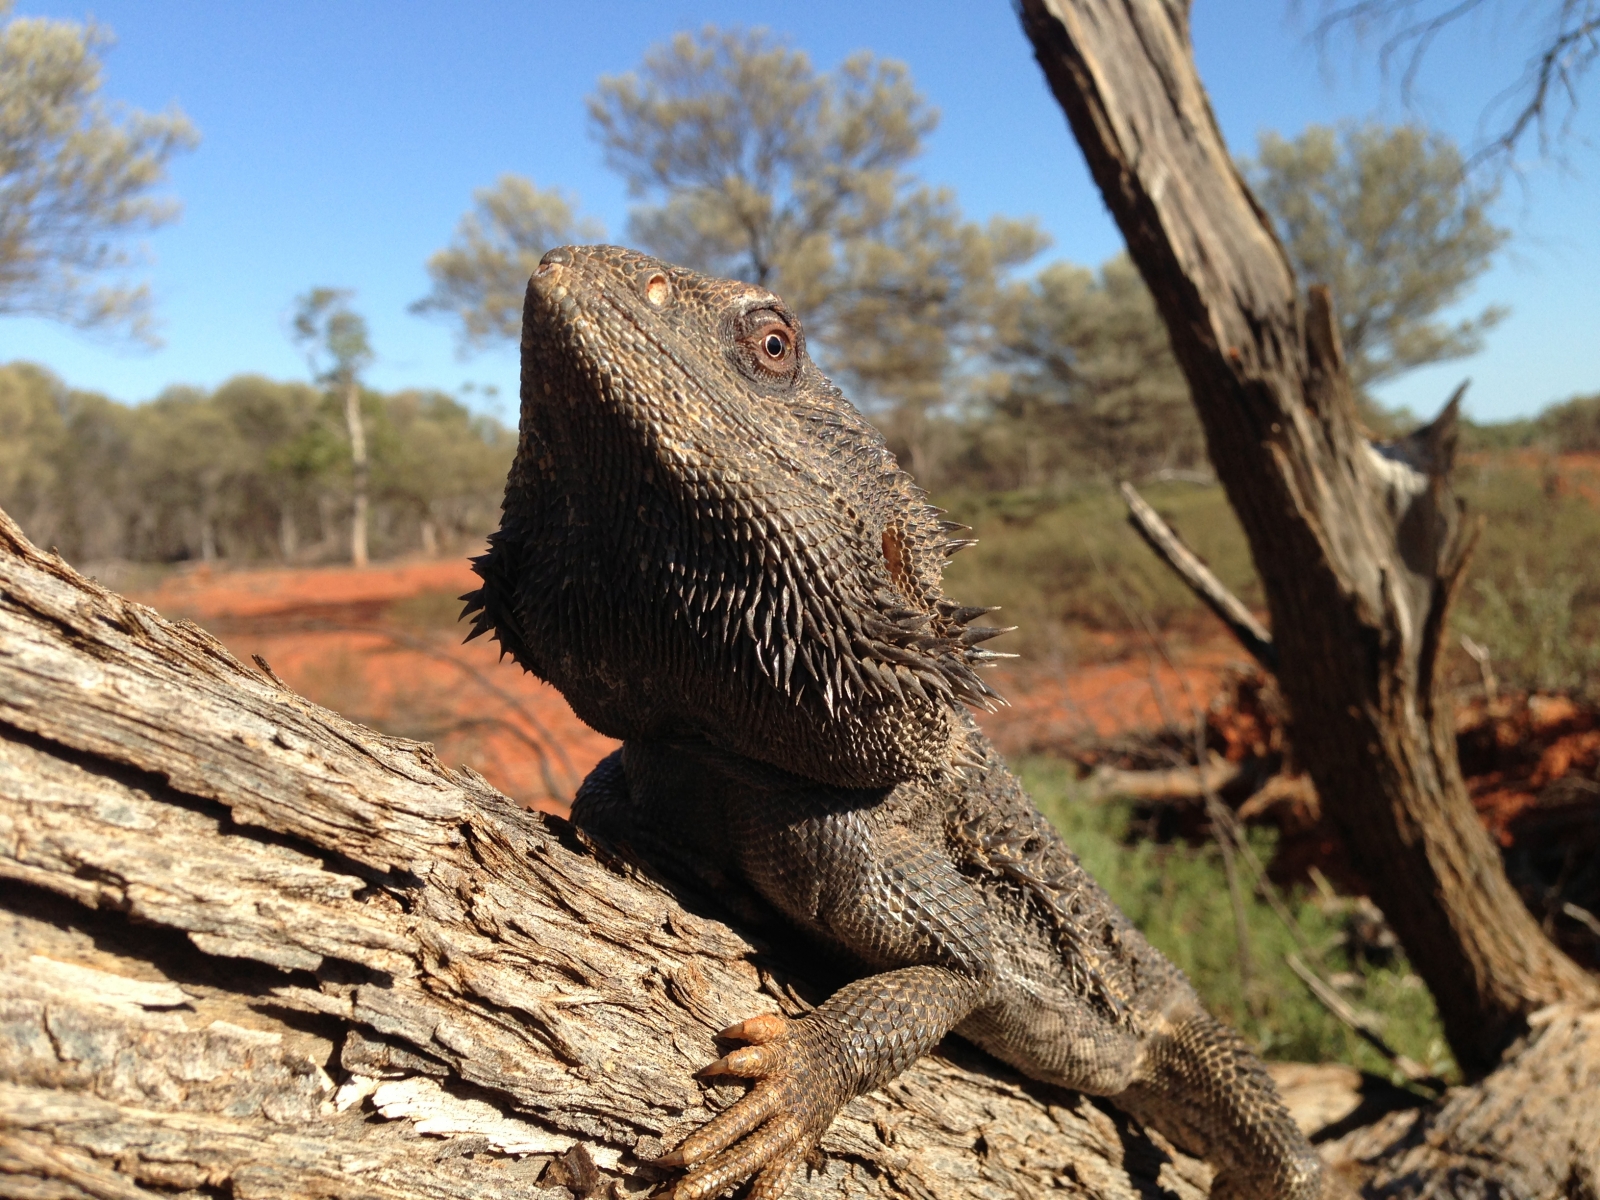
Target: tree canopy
<point x="334" y="338"/>
<point x="1092" y="386"/>
<point x="332" y="335"/>
<point x="479" y="278"/>
<point x="1387" y="218"/>
<point x="762" y="168"/>
<point x="758" y="162"/>
<point x="77" y="180"/>
<point x="746" y="161"/>
<point x="750" y="163"/>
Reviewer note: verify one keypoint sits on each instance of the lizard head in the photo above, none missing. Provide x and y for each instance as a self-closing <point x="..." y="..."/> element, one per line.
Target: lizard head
<point x="703" y="537"/>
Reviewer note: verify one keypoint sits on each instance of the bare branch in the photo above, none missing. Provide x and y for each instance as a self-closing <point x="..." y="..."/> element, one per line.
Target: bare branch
<point x="1173" y="783"/>
<point x="1568" y="47"/>
<point x="1230" y="610"/>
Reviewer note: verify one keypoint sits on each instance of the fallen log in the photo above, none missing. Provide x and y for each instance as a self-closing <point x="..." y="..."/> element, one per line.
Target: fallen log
<point x="1167" y="784"/>
<point x="248" y="948"/>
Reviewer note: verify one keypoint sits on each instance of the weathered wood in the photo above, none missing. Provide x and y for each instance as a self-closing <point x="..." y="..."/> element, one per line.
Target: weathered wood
<point x="1360" y="547"/>
<point x="238" y="932"/>
<point x="1495" y="1139"/>
<point x="1168" y="784"/>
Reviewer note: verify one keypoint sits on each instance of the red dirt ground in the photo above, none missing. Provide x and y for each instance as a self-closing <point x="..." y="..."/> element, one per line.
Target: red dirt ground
<point x="381" y="646"/>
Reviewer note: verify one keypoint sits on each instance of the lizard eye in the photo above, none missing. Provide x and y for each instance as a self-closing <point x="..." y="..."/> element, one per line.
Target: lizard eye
<point x="767" y="345"/>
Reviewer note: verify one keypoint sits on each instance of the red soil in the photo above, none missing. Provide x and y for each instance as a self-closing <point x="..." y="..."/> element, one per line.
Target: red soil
<point x="1049" y="709"/>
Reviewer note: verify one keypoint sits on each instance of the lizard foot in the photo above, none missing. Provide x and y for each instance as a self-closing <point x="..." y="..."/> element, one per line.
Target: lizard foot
<point x="770" y="1131"/>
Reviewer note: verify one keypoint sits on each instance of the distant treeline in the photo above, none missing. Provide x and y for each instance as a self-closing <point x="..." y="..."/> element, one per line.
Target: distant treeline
<point x="255" y="470"/>
<point x="259" y="470"/>
<point x="1572" y="427"/>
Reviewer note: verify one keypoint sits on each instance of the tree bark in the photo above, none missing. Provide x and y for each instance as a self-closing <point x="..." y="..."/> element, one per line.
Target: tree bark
<point x="358" y="473"/>
<point x="1530" y="1129"/>
<point x="248" y="948"/>
<point x="1360" y="548"/>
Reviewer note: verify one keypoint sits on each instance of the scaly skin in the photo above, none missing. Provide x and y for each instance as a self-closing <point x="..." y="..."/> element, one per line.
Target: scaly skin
<point x="714" y="557"/>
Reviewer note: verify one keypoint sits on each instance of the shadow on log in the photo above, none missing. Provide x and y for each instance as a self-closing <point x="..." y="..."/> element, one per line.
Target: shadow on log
<point x="248" y="948"/>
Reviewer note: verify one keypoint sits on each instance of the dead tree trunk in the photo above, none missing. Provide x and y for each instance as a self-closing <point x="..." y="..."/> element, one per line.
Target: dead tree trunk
<point x="1360" y="549"/>
<point x="250" y="949"/>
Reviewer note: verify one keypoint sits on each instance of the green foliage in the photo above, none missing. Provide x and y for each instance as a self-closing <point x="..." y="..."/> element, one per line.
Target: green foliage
<point x="437" y="464"/>
<point x="1530" y="627"/>
<point x="332" y="335"/>
<point x="1178" y="897"/>
<point x="76" y="178"/>
<point x="254" y="470"/>
<point x="1093" y="388"/>
<point x="1533" y="593"/>
<point x="1387" y="218"/>
<point x="31" y="432"/>
<point x="480" y="277"/>
<point x="761" y="163"/>
<point x="1570" y="428"/>
<point x="334" y="338"/>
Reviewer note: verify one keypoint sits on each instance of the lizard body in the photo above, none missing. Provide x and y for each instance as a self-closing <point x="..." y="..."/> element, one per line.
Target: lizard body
<point x="714" y="557"/>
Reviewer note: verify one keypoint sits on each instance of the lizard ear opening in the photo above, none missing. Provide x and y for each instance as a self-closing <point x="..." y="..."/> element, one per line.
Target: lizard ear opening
<point x="657" y="290"/>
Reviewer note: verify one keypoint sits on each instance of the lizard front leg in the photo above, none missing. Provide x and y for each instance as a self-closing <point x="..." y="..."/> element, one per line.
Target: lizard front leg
<point x="808" y="1069"/>
<point x="870" y="888"/>
<point x="851" y="869"/>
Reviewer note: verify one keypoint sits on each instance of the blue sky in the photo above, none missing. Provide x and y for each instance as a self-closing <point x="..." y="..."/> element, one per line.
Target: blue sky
<point x="343" y="140"/>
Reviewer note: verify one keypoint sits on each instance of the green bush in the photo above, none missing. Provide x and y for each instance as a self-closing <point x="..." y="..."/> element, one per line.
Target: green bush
<point x="1178" y="897"/>
<point x="1533" y="591"/>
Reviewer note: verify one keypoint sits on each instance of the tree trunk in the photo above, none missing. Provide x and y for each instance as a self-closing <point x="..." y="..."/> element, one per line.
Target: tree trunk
<point x="288" y="533"/>
<point x="250" y="949"/>
<point x="358" y="473"/>
<point x="1360" y="549"/>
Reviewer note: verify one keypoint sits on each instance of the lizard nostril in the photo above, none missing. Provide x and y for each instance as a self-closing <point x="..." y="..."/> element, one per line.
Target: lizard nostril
<point x="656" y="289"/>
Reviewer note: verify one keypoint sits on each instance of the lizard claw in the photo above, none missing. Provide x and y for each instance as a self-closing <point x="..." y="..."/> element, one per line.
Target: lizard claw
<point x="751" y="1062"/>
<point x="765" y="1028"/>
<point x="770" y="1130"/>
